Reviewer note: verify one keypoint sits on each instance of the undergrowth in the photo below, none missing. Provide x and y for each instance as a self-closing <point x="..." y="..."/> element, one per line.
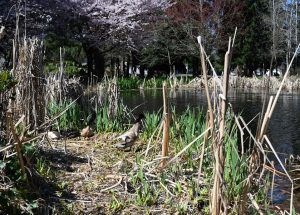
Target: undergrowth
<point x="178" y="188"/>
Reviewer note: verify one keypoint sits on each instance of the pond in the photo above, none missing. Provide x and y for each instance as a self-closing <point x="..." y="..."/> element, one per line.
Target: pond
<point x="284" y="128"/>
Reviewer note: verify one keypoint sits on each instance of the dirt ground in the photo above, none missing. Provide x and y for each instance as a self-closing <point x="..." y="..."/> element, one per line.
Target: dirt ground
<point x="94" y="176"/>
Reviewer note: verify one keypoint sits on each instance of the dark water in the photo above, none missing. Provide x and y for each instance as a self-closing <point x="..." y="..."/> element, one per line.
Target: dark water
<point x="284" y="128"/>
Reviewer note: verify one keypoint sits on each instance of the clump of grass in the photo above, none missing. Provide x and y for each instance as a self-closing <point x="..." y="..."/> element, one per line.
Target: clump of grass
<point x="75" y="117"/>
<point x="154" y="82"/>
<point x="104" y="123"/>
<point x="186" y="127"/>
<point x="152" y="120"/>
<point x="72" y="118"/>
<point x="129" y="83"/>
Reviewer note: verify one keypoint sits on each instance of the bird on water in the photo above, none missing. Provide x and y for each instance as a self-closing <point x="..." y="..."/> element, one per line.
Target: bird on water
<point x="128" y="138"/>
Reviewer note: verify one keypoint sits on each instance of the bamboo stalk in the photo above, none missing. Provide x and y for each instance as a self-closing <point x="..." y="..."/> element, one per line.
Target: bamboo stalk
<point x="165" y="142"/>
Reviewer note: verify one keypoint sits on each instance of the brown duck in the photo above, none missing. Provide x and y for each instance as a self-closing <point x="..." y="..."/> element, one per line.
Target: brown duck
<point x="88" y="131"/>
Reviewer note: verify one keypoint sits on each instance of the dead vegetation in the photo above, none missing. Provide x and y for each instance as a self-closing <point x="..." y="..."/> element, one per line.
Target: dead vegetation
<point x="292" y="83"/>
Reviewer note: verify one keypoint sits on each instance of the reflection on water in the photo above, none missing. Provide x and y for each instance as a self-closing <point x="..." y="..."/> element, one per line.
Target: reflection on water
<point x="284" y="128"/>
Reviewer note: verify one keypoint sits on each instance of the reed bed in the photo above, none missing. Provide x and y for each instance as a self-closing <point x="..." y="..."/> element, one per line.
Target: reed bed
<point x="292" y="83"/>
<point x="172" y="81"/>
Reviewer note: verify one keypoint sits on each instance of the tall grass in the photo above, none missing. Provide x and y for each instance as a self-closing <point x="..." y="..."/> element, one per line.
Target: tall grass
<point x="188" y="125"/>
<point x="129" y="83"/>
<point x="76" y="117"/>
<point x="105" y="123"/>
<point x="73" y="118"/>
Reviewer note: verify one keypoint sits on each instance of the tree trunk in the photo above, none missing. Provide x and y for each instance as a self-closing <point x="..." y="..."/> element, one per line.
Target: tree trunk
<point x="126" y="70"/>
<point x="134" y="61"/>
<point x="195" y="63"/>
<point x="99" y="64"/>
<point x="89" y="57"/>
<point x="142" y="72"/>
<point x="95" y="62"/>
<point x="118" y="70"/>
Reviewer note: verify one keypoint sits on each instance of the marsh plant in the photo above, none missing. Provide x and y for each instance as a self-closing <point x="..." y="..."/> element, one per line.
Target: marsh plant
<point x="180" y="179"/>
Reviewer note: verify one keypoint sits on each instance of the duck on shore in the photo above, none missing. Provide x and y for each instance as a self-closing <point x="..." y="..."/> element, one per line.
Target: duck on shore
<point x="88" y="130"/>
<point x="128" y="138"/>
<point x="53" y="135"/>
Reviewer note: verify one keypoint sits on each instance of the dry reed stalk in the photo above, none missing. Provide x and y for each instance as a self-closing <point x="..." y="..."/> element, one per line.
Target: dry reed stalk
<point x="266" y="94"/>
<point x="30" y="92"/>
<point x="217" y="193"/>
<point x="203" y="146"/>
<point x="159" y="127"/>
<point x="211" y="117"/>
<point x="204" y="71"/>
<point x="273" y="103"/>
<point x="159" y="131"/>
<point x="254" y="203"/>
<point x="274" y="170"/>
<point x="22" y="141"/>
<point x="189" y="145"/>
<point x="17" y="140"/>
<point x="285" y="171"/>
<point x="217" y="146"/>
<point x="273" y="180"/>
<point x="219" y="156"/>
<point x="165" y="142"/>
<point x="265" y="120"/>
<point x="113" y="186"/>
<point x="241" y="132"/>
<point x="253" y="167"/>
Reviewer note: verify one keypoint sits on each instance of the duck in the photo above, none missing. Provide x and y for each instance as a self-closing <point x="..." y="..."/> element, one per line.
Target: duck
<point x="53" y="135"/>
<point x="128" y="138"/>
<point x="88" y="130"/>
